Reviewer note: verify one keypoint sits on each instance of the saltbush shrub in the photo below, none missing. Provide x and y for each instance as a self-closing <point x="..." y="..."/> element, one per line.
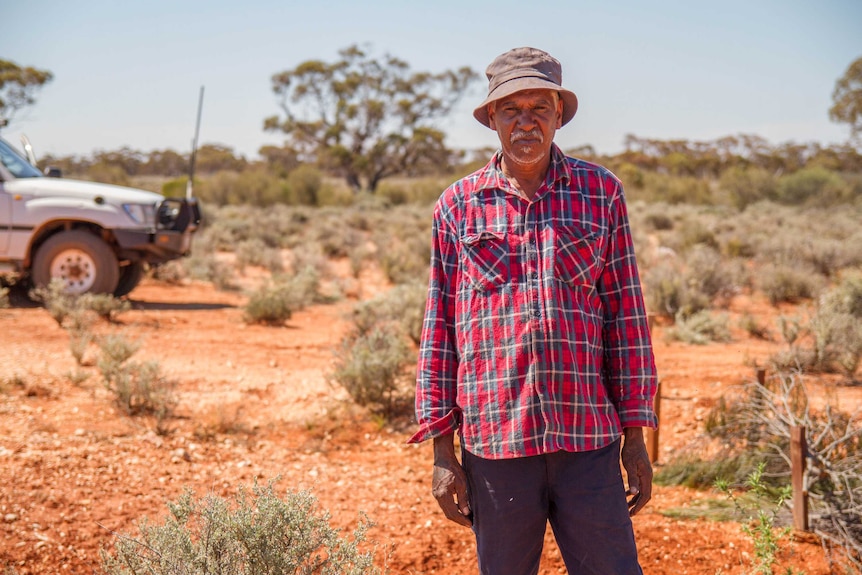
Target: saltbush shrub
<point x="335" y="237"/>
<point x="277" y="226"/>
<point x="227" y="226"/>
<point x="671" y="292"/>
<point x="203" y="264"/>
<point x="837" y="326"/>
<point x="139" y="388"/>
<point x="659" y="220"/>
<point x="371" y="367"/>
<point x="276" y="301"/>
<point x="81" y="335"/>
<point x="56" y="301"/>
<point x="754" y="327"/>
<point x="664" y="289"/>
<point x="258" y="533"/>
<point x="785" y="283"/>
<point x="404" y="257"/>
<point x="72" y="308"/>
<point x="693" y="232"/>
<point x="699" y="328"/>
<point x="116" y="349"/>
<point x="709" y="274"/>
<point x="254" y="252"/>
<point x="104" y="305"/>
<point x="403" y="305"/>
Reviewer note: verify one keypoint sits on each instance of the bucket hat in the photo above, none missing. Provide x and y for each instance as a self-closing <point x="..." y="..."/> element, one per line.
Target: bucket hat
<point x="525" y="69"/>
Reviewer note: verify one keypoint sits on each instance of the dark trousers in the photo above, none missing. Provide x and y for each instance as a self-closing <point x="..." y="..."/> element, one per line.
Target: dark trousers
<point x="581" y="494"/>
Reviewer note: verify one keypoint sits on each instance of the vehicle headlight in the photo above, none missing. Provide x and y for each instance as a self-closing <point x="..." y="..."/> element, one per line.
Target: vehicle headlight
<point x="141" y="213"/>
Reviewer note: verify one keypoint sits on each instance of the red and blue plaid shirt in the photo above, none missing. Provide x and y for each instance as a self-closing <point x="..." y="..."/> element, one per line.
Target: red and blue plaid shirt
<point x="535" y="337"/>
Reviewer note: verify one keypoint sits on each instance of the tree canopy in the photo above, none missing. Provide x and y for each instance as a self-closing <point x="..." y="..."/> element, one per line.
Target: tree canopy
<point x="18" y="87"/>
<point x="713" y="157"/>
<point x="847" y="99"/>
<point x="367" y="119"/>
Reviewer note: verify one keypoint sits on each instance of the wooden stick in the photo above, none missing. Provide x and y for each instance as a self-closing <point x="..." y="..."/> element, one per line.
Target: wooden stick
<point x="652" y="434"/>
<point x="798" y="449"/>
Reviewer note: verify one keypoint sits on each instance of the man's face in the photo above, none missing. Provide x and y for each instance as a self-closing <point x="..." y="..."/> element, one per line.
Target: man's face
<point x="526" y="123"/>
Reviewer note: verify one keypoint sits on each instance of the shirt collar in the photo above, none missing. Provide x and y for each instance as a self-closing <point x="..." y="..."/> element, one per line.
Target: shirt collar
<point x="492" y="177"/>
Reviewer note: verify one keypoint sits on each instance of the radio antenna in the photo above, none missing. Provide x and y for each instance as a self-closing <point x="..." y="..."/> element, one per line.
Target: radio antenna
<point x="189" y="184"/>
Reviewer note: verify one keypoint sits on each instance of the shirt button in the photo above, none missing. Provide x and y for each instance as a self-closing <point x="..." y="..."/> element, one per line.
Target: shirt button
<point x="535" y="275"/>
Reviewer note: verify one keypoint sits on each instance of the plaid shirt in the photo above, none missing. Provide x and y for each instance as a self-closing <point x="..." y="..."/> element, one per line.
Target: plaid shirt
<point x="535" y="337"/>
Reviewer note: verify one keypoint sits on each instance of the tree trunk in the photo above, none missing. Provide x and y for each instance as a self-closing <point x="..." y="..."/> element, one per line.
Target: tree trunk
<point x="372" y="183"/>
<point x="353" y="181"/>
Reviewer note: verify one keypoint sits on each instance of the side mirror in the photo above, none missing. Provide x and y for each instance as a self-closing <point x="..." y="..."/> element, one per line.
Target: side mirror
<point x="53" y="172"/>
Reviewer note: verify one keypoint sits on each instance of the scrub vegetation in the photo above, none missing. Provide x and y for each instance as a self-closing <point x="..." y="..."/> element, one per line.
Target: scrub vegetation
<point x="258" y="532"/>
<point x="706" y="231"/>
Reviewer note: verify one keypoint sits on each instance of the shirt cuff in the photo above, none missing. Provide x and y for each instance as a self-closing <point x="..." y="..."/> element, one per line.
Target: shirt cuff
<point x="637" y="413"/>
<point x="445" y="425"/>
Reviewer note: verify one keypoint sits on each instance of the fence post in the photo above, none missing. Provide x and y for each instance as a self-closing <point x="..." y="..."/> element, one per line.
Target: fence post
<point x="652" y="434"/>
<point x="798" y="452"/>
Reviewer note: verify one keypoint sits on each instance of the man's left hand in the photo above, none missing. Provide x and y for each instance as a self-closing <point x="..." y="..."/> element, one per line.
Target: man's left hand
<point x="638" y="468"/>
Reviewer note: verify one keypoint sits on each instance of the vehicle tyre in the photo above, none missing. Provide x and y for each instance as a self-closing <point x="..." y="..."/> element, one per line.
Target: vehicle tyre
<point x="80" y="259"/>
<point x="130" y="277"/>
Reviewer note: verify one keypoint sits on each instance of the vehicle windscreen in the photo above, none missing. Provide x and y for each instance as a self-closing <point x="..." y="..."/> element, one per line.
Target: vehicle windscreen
<point x="15" y="162"/>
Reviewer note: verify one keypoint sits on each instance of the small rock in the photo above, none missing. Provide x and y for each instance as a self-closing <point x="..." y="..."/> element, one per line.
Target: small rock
<point x="10" y="517"/>
<point x="180" y="453"/>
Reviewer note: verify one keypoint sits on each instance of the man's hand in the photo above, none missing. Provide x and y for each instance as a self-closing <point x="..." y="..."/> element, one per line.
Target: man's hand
<point x="638" y="468"/>
<point x="449" y="483"/>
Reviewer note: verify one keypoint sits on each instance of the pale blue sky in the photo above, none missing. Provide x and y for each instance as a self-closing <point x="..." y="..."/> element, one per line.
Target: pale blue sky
<point x="127" y="73"/>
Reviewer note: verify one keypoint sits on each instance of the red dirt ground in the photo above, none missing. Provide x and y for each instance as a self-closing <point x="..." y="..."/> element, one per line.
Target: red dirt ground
<point x="255" y="403"/>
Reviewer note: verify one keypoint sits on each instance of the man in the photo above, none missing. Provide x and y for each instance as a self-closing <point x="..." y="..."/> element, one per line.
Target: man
<point x="535" y="346"/>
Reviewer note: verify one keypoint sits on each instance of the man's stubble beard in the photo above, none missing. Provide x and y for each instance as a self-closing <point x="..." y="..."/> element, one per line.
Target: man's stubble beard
<point x="526" y="159"/>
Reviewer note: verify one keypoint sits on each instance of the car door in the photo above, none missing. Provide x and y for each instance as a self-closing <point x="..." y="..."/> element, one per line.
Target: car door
<point x="5" y="219"/>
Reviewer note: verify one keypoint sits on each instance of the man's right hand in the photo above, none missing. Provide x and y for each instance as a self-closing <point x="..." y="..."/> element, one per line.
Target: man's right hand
<point x="449" y="483"/>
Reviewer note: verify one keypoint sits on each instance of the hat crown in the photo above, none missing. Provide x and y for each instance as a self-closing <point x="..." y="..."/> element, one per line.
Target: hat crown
<point x="525" y="69"/>
<point x="523" y="63"/>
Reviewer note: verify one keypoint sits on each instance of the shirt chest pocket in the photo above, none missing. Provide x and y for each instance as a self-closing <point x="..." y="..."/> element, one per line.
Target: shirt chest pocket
<point x="577" y="257"/>
<point x="485" y="260"/>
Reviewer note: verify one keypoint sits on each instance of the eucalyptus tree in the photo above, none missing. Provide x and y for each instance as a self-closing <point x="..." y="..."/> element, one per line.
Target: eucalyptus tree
<point x="18" y="87"/>
<point x="366" y="119"/>
<point x="847" y="99"/>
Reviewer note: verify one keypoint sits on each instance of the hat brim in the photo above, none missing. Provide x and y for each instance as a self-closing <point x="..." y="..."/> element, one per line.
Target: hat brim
<point x="570" y="100"/>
